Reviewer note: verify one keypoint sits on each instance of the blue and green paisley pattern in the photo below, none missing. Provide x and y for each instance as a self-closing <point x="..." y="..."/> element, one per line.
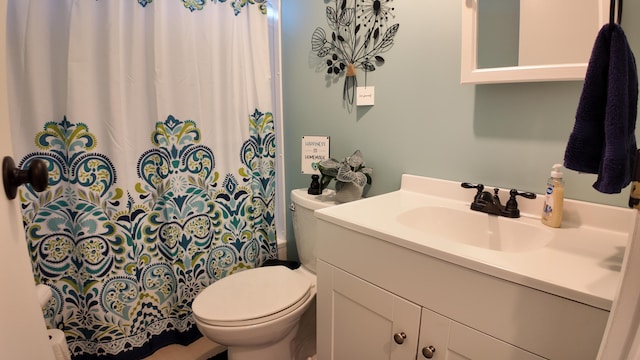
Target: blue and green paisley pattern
<point x="125" y="264"/>
<point x="237" y="5"/>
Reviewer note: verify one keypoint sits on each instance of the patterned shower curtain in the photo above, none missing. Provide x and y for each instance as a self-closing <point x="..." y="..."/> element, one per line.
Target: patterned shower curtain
<point x="154" y="120"/>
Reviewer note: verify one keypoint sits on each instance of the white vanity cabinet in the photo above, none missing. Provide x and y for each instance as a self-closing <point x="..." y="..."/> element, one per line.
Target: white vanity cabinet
<point x="371" y="291"/>
<point x="442" y="338"/>
<point x="363" y="321"/>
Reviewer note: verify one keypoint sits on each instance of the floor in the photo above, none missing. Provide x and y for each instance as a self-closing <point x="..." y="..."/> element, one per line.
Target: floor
<point x="201" y="349"/>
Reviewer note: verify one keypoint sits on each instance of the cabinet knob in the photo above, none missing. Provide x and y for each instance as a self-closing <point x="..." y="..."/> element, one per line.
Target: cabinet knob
<point x="428" y="351"/>
<point x="399" y="337"/>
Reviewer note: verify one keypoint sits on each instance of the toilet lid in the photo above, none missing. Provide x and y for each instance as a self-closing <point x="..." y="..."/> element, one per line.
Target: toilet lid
<point x="251" y="295"/>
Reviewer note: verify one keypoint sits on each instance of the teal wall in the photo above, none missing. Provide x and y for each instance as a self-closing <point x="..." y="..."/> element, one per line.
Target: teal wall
<point x="424" y="121"/>
<point x="498" y="33"/>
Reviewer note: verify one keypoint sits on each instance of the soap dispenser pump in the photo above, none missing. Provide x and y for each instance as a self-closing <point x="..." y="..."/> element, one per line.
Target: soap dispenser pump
<point x="554" y="198"/>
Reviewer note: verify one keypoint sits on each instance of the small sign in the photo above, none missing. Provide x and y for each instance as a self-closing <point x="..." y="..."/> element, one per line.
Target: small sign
<point x="314" y="150"/>
<point x="365" y="95"/>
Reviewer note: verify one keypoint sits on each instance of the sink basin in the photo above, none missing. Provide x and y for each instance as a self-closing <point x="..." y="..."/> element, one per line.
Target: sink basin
<point x="476" y="229"/>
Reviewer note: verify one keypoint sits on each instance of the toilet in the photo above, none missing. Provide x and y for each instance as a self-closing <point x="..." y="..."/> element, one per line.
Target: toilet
<point x="256" y="313"/>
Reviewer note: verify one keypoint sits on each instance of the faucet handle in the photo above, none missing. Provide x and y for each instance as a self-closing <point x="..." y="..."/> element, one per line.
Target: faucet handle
<point x="467" y="185"/>
<point x="478" y="187"/>
<point x="511" y="208"/>
<point x="524" y="194"/>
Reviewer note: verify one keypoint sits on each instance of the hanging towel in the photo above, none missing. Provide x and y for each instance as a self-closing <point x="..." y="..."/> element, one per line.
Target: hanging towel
<point x="603" y="138"/>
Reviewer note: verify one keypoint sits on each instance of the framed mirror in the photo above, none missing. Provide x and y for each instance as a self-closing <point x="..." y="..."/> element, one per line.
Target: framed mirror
<point x="528" y="40"/>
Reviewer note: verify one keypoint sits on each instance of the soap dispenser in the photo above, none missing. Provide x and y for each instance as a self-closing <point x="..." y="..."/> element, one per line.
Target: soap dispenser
<point x="634" y="197"/>
<point x="554" y="198"/>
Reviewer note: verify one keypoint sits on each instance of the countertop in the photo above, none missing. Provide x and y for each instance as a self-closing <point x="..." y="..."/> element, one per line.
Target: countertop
<point x="582" y="262"/>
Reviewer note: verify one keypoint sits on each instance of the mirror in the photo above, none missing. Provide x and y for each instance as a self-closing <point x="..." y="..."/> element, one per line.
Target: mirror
<point x="528" y="40"/>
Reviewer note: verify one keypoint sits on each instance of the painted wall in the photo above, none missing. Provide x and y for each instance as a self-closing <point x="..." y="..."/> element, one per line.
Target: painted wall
<point x="424" y="121"/>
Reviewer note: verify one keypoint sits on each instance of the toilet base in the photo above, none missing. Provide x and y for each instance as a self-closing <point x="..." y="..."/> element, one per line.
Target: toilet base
<point x="304" y="344"/>
<point x="280" y="350"/>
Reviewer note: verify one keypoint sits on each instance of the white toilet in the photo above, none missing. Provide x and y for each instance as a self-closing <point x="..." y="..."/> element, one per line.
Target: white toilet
<point x="256" y="312"/>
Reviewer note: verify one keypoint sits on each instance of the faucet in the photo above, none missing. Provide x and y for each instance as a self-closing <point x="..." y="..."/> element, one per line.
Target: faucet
<point x="489" y="203"/>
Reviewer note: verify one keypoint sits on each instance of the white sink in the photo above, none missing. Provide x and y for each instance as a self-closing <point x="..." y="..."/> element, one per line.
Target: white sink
<point x="476" y="228"/>
<point x="580" y="261"/>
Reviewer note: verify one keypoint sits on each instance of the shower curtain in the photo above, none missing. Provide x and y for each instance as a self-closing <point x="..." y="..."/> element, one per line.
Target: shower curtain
<point x="153" y="118"/>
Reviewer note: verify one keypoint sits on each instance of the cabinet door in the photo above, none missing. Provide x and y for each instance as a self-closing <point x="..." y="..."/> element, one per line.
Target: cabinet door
<point x="357" y="320"/>
<point x="454" y="341"/>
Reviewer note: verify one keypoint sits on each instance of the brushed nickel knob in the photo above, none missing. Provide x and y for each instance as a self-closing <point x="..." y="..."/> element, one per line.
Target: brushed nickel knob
<point x="399" y="337"/>
<point x="428" y="351"/>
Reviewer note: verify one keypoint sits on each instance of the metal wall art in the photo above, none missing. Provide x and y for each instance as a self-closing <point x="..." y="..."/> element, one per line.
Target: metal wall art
<point x="359" y="31"/>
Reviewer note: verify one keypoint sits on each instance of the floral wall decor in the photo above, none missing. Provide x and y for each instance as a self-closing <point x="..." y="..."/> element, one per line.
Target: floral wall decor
<point x="237" y="5"/>
<point x="359" y="32"/>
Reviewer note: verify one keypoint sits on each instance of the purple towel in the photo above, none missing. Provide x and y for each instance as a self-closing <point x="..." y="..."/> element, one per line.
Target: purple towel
<point x="603" y="140"/>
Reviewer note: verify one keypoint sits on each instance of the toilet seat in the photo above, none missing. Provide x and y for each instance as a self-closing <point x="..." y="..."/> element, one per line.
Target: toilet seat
<point x="252" y="297"/>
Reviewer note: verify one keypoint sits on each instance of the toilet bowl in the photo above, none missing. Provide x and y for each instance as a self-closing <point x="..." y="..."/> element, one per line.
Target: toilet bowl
<point x="256" y="313"/>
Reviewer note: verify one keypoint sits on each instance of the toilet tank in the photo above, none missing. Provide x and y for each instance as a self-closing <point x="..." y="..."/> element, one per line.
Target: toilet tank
<point x="304" y="223"/>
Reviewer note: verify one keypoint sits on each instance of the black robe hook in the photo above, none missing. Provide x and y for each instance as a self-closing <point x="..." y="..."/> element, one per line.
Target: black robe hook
<point x="612" y="12"/>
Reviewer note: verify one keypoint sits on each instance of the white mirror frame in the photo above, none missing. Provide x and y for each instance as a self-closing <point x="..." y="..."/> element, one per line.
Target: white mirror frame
<point x="470" y="74"/>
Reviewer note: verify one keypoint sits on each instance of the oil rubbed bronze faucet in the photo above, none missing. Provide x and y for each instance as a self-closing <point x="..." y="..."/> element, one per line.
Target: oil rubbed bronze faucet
<point x="489" y="203"/>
